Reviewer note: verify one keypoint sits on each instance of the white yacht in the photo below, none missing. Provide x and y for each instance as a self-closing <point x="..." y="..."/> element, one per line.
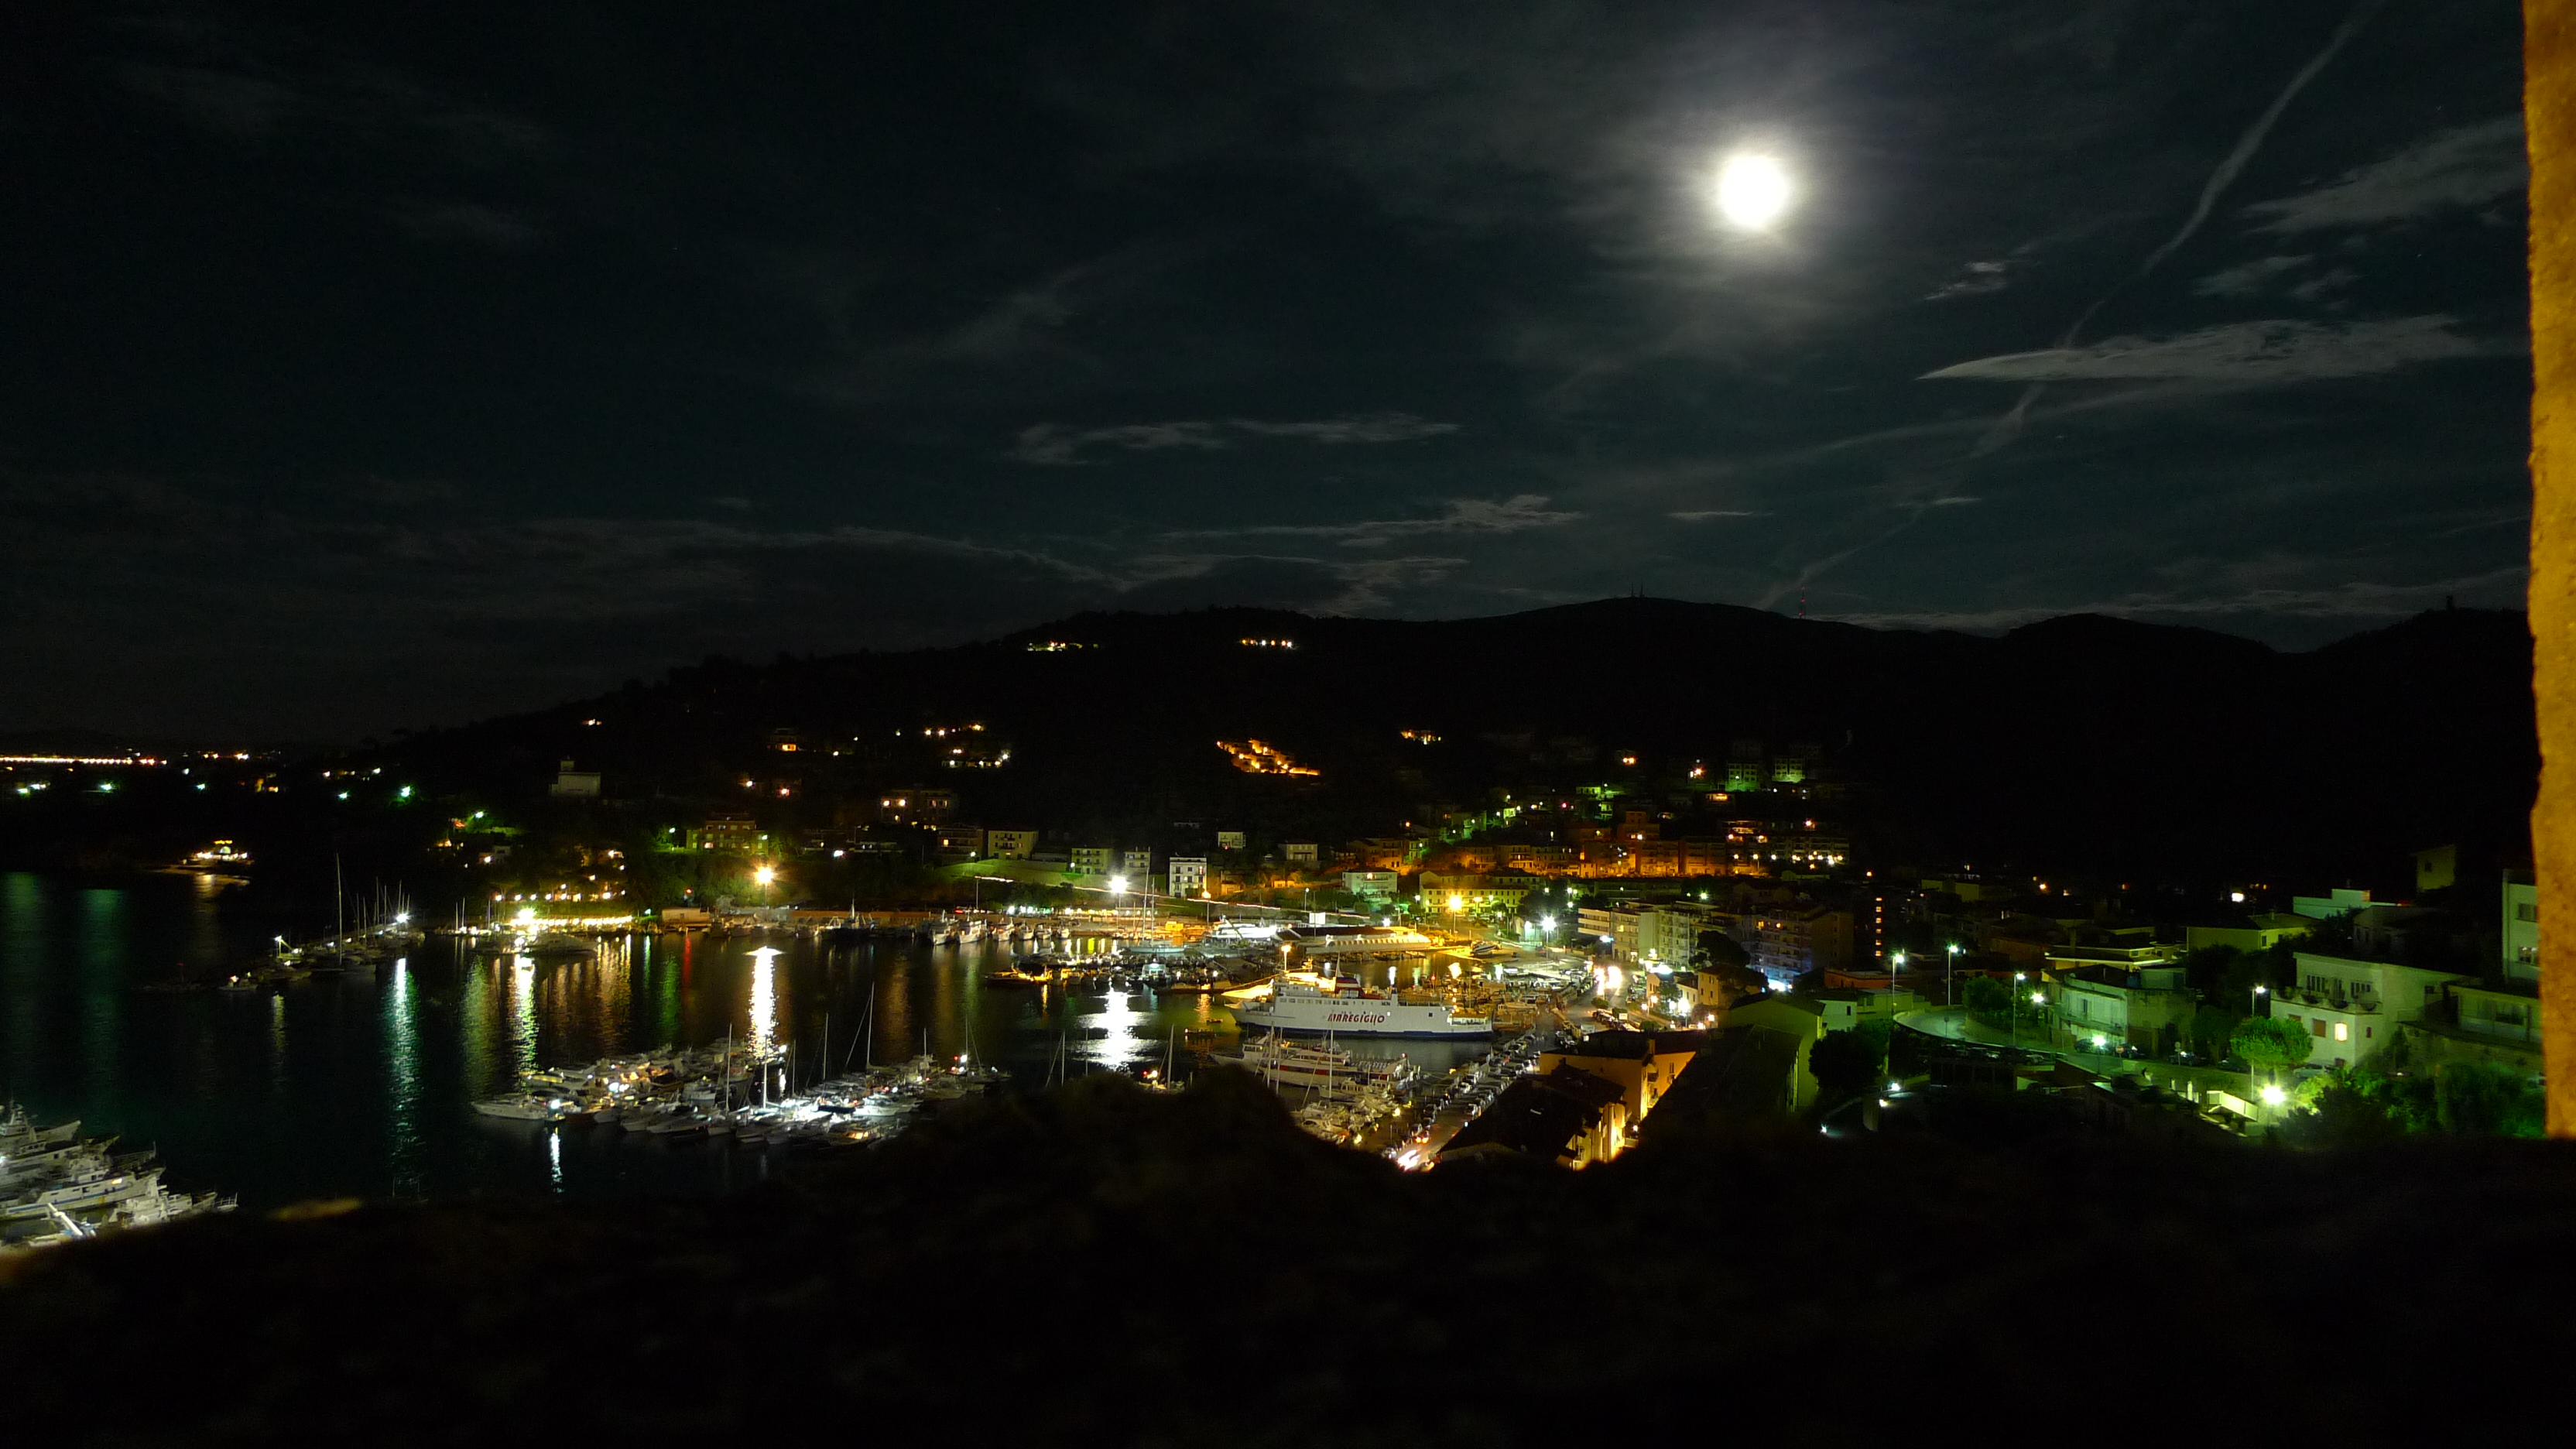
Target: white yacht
<point x="1343" y="1007"/>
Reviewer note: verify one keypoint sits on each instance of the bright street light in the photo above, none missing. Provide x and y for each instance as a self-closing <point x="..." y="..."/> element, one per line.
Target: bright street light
<point x="1118" y="885"/>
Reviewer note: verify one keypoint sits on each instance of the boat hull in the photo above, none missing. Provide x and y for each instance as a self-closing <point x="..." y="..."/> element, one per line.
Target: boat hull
<point x="1363" y="1019"/>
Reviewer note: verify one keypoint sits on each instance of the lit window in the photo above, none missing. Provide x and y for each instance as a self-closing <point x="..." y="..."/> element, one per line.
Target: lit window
<point x="2342" y="1032"/>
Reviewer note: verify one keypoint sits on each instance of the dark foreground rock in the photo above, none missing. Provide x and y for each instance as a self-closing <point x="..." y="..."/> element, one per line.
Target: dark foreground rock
<point x="1100" y="1266"/>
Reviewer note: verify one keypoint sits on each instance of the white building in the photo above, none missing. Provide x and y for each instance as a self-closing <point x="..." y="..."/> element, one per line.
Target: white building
<point x="1091" y="859"/>
<point x="2352" y="1008"/>
<point x="575" y="784"/>
<point x="1136" y="864"/>
<point x="2521" y="935"/>
<point x="1188" y="875"/>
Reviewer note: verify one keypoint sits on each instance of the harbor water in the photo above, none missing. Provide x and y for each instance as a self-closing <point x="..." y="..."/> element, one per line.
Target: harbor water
<point x="361" y="1084"/>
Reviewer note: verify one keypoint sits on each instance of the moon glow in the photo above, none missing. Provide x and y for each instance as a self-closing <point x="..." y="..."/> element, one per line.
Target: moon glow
<point x="1752" y="191"/>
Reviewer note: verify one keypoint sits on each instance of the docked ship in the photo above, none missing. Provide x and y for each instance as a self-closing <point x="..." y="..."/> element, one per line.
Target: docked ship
<point x="58" y="1186"/>
<point x="1341" y="1006"/>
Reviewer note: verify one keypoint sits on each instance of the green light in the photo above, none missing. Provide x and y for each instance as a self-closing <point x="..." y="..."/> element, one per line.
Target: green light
<point x="106" y="786"/>
<point x="403" y="794"/>
<point x="344" y="794"/>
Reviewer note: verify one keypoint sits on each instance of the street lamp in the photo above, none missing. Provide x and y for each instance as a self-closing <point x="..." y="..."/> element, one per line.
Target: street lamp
<point x="2257" y="1003"/>
<point x="763" y="876"/>
<point x="2013" y="1019"/>
<point x="1949" y="970"/>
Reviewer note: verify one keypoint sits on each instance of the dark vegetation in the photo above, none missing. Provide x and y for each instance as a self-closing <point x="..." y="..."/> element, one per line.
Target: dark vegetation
<point x="2083" y="744"/>
<point x="1099" y="1266"/>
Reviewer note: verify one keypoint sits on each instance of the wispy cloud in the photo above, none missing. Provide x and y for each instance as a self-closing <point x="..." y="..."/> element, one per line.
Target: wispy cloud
<point x="1459" y="516"/>
<point x="2251" y="279"/>
<point x="1702" y="515"/>
<point x="2463" y="167"/>
<point x="1051" y="444"/>
<point x="2241" y="353"/>
<point x="1974" y="279"/>
<point x="1363" y="428"/>
<point x="1046" y="443"/>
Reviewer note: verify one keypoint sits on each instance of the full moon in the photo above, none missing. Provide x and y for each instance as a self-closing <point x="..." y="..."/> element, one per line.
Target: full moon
<point x="1752" y="191"/>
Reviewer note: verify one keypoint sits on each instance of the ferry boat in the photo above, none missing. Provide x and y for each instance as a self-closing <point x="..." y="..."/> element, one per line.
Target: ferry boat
<point x="1341" y="1006"/>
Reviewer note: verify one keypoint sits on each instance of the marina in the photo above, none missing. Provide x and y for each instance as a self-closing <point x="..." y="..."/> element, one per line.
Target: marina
<point x="147" y="1008"/>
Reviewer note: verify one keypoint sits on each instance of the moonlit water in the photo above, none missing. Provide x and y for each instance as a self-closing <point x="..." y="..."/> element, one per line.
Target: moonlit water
<point x="360" y="1085"/>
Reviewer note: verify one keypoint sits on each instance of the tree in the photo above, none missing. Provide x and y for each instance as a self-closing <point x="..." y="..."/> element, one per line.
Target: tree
<point x="1722" y="950"/>
<point x="2208" y="1031"/>
<point x="1845" y="1066"/>
<point x="2271" y="1043"/>
<point x="1989" y="1000"/>
<point x="2487" y="1098"/>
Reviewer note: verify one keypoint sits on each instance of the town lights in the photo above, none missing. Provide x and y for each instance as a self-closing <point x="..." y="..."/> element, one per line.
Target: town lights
<point x="2273" y="1096"/>
<point x="1118" y="885"/>
<point x="764" y="875"/>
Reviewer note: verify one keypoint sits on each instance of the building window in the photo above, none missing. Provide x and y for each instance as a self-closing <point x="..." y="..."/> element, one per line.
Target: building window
<point x="2342" y="1032"/>
<point x="2318" y="1026"/>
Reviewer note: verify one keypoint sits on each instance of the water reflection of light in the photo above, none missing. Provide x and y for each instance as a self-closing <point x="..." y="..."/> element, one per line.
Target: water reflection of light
<point x="1119" y="1044"/>
<point x="277" y="1041"/>
<point x="554" y="1155"/>
<point x="523" y="1013"/>
<point x="402" y="1059"/>
<point x="764" y="997"/>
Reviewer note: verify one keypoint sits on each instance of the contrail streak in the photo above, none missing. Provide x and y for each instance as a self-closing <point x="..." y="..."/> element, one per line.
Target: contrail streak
<point x="2009" y="426"/>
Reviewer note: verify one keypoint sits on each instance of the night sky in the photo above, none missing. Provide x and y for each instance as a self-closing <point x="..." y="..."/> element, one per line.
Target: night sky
<point x="374" y="365"/>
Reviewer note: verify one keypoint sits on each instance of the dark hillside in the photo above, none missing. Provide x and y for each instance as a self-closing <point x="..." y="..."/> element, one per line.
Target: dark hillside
<point x="2079" y="742"/>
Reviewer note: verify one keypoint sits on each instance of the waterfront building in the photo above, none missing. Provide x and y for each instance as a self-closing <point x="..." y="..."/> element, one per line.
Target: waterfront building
<point x="1091" y="859"/>
<point x="2352" y="1008"/>
<point x="1187" y="875"/>
<point x="2109" y="1005"/>
<point x="916" y="805"/>
<point x="2264" y="930"/>
<point x="2495" y="1022"/>
<point x="2521" y="928"/>
<point x="727" y="831"/>
<point x="1136" y="864"/>
<point x="1472" y="892"/>
<point x="1841" y="1008"/>
<point x="1561" y="1116"/>
<point x="1611" y="930"/>
<point x="1797" y="1018"/>
<point x="1789" y="944"/>
<point x="2337" y="902"/>
<point x="572" y="784"/>
<point x="1371" y="885"/>
<point x="1742" y="1073"/>
<point x="1010" y="844"/>
<point x="1642" y="1064"/>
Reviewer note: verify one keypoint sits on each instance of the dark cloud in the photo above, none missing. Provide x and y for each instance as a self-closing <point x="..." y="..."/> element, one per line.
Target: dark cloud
<point x="372" y="368"/>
